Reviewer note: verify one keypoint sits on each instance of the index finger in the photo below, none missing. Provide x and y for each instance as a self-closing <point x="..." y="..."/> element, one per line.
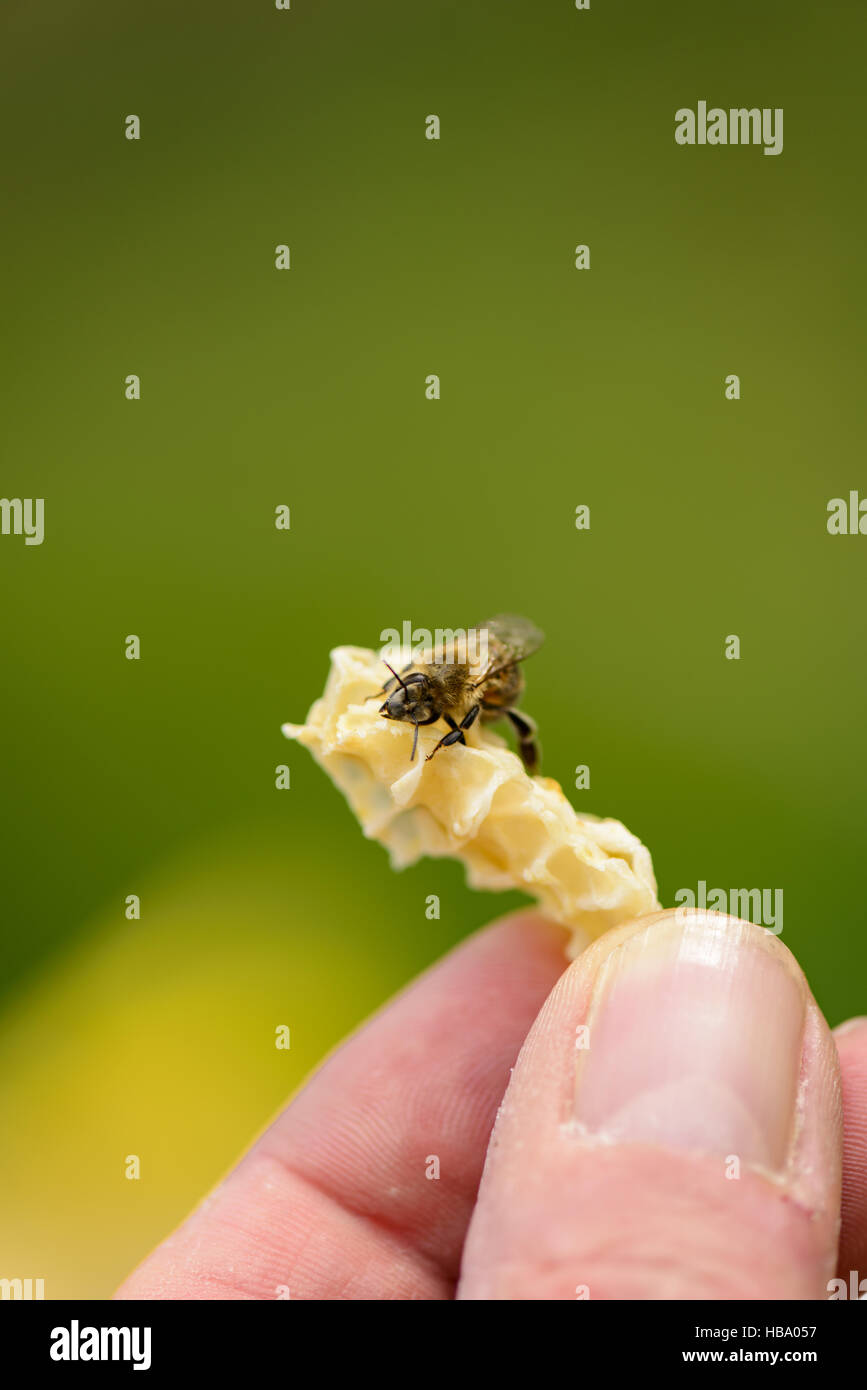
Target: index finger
<point x="363" y="1187"/>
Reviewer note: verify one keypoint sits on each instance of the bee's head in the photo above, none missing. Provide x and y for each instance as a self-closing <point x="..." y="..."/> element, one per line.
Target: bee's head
<point x="409" y="700"/>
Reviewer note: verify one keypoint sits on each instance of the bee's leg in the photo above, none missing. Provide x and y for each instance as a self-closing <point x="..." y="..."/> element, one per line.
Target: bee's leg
<point x="456" y="734"/>
<point x="527" y="744"/>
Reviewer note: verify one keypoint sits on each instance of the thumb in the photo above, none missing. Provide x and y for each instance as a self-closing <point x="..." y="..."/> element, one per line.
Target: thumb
<point x="672" y="1128"/>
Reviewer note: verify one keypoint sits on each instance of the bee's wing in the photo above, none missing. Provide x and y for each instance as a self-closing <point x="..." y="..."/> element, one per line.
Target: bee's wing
<point x="516" y="638"/>
<point x="519" y="636"/>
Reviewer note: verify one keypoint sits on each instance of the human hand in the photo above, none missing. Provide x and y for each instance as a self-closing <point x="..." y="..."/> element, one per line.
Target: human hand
<point x="688" y="1144"/>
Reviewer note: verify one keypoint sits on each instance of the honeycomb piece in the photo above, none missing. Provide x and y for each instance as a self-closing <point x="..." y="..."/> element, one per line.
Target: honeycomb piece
<point x="476" y="804"/>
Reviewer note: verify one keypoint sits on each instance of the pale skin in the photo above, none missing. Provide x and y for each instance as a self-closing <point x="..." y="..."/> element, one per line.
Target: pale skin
<point x="676" y="1124"/>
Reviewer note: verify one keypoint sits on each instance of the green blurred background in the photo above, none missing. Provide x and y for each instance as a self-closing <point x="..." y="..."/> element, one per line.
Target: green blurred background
<point x="409" y="257"/>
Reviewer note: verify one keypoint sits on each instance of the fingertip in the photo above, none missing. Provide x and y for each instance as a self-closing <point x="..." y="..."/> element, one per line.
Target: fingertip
<point x="851" y="1041"/>
<point x="854" y="1029"/>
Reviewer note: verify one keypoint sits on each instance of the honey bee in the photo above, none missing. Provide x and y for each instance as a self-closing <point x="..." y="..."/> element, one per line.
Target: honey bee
<point x="459" y="694"/>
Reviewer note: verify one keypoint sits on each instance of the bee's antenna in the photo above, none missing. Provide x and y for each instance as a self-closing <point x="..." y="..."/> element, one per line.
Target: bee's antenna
<point x="396" y="676"/>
